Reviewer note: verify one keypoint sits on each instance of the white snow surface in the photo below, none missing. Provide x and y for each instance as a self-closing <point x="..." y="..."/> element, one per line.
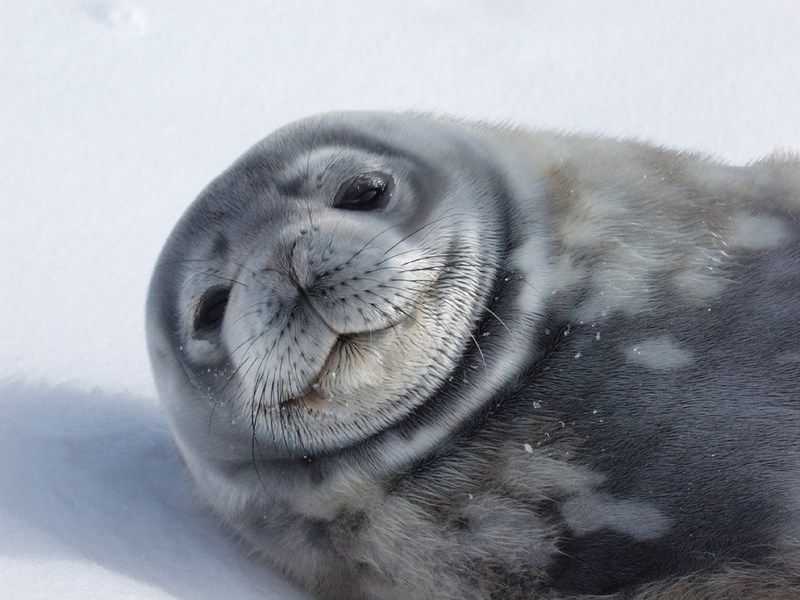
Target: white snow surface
<point x="114" y="115"/>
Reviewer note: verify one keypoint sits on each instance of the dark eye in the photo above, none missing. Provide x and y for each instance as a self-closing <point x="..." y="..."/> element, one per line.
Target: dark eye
<point x="210" y="312"/>
<point x="369" y="191"/>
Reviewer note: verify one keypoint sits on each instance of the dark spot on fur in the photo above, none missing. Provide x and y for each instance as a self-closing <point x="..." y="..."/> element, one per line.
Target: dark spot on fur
<point x="318" y="532"/>
<point x="221" y="248"/>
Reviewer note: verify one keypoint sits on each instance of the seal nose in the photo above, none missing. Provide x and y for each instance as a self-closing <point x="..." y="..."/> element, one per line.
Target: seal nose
<point x="308" y="263"/>
<point x="322" y="272"/>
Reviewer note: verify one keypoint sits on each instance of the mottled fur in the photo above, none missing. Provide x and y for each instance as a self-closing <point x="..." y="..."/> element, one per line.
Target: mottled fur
<point x="550" y="367"/>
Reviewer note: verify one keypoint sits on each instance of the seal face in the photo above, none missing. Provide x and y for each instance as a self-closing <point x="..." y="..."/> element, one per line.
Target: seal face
<point x="334" y="283"/>
<point x="406" y="357"/>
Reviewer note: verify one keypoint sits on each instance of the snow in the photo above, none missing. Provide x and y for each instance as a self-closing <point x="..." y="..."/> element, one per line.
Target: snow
<point x="114" y="115"/>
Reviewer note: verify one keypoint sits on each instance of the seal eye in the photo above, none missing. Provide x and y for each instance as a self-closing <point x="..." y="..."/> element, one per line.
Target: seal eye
<point x="369" y="191"/>
<point x="210" y="312"/>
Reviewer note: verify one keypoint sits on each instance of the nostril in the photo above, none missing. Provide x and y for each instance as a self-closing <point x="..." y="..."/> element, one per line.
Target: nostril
<point x="210" y="312"/>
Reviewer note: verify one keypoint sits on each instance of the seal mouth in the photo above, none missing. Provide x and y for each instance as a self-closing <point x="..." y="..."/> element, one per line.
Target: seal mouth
<point x="311" y="397"/>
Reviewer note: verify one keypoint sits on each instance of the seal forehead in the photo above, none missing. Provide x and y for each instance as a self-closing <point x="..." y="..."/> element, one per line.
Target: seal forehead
<point x="305" y="164"/>
<point x="405" y="137"/>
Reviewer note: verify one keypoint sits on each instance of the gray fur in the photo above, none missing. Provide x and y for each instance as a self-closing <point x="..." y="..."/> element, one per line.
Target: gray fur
<point x="550" y="367"/>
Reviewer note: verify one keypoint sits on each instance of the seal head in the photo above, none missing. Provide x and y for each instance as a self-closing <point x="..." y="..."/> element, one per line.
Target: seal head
<point x="323" y="289"/>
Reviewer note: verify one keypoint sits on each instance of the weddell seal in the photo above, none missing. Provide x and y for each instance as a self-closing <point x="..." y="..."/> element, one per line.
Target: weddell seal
<point x="408" y="358"/>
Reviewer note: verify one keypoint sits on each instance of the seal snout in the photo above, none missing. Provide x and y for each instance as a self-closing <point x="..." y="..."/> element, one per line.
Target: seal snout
<point x="324" y="312"/>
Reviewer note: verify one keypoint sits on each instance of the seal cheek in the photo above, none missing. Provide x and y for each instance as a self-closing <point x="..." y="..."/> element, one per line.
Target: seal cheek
<point x="359" y="284"/>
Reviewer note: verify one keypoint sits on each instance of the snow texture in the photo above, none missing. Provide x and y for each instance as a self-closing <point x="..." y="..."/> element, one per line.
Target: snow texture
<point x="114" y="115"/>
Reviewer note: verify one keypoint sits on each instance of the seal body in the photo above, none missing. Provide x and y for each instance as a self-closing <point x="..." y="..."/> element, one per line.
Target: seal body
<point x="407" y="357"/>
